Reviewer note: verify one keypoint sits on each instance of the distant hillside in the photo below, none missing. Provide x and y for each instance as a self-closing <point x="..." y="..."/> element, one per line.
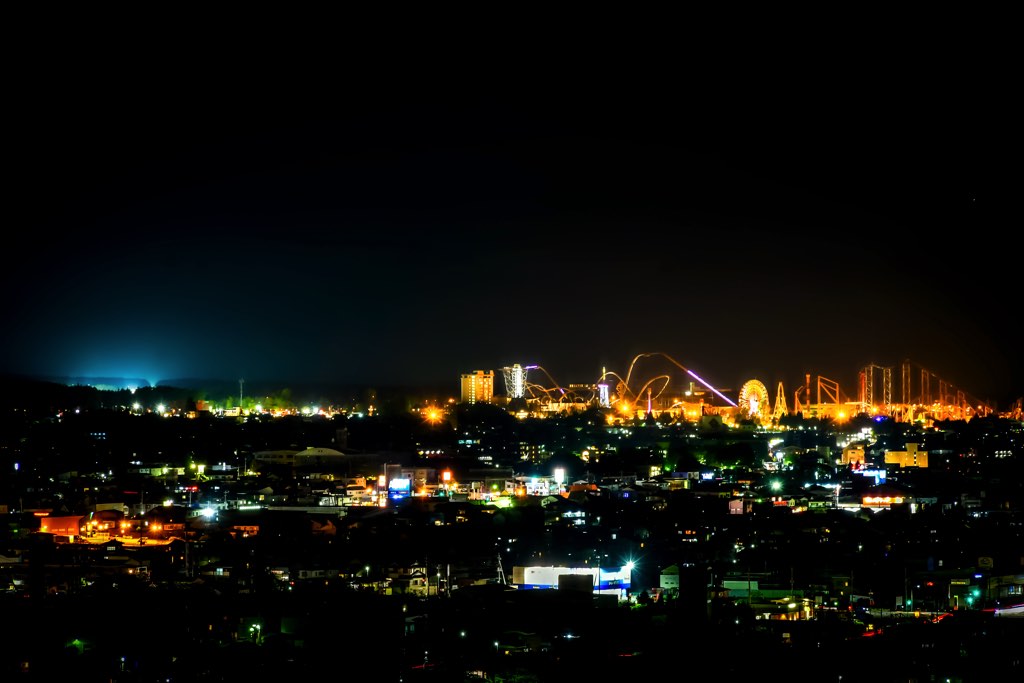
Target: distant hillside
<point x="48" y="397"/>
<point x="105" y="383"/>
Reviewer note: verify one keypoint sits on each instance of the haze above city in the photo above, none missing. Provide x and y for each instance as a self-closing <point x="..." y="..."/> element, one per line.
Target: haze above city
<point x="173" y="227"/>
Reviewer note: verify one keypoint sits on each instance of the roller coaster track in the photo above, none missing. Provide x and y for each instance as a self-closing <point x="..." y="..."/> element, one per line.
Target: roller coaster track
<point x="930" y="394"/>
<point x="679" y="365"/>
<point x="654" y="387"/>
<point x="548" y="375"/>
<point x="931" y="389"/>
<point x="555" y="393"/>
<point x="625" y="392"/>
<point x="1016" y="411"/>
<point x="922" y="393"/>
<point x="558" y="394"/>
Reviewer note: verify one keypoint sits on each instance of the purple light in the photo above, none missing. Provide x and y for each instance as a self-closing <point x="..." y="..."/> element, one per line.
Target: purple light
<point x="694" y="374"/>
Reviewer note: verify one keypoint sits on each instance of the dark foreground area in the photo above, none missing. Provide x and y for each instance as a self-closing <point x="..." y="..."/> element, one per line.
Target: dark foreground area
<point x="194" y="633"/>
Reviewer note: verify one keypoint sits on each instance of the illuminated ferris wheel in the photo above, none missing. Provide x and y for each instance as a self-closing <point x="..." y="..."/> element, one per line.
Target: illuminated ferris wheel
<point x="754" y="400"/>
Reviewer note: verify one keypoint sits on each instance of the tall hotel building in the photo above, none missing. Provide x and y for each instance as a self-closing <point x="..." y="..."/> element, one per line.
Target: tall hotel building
<point x="478" y="386"/>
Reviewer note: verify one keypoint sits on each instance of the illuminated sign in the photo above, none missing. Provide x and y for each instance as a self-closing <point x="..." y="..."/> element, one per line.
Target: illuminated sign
<point x="399" y="488"/>
<point x="612" y="578"/>
<point x="883" y="500"/>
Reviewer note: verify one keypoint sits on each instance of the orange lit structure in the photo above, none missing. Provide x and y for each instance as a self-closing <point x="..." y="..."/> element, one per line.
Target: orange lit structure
<point x="62" y="526"/>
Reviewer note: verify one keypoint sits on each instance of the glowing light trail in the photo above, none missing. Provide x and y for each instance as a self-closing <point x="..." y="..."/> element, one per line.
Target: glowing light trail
<point x="680" y="366"/>
<point x="694" y="375"/>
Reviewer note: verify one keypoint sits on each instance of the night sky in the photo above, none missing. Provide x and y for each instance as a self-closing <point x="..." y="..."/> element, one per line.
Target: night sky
<point x="211" y="221"/>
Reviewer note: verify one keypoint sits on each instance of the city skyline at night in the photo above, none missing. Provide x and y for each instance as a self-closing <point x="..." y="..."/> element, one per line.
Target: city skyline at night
<point x="652" y="382"/>
<point x="389" y="236"/>
<point x="392" y="358"/>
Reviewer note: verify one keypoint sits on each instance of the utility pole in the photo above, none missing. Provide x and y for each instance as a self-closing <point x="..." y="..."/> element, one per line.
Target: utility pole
<point x="240" y="383"/>
<point x="188" y="565"/>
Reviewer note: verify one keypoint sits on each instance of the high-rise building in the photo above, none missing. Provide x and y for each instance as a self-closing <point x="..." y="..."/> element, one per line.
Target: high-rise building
<point x="478" y="386"/>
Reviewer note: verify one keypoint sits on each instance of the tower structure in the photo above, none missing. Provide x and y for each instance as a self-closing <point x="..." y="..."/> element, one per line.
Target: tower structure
<point x="780" y="405"/>
<point x="515" y="380"/>
<point x="603" y="399"/>
<point x="868" y="388"/>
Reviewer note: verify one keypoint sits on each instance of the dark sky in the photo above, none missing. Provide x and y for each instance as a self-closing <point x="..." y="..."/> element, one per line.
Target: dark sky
<point x="183" y="219"/>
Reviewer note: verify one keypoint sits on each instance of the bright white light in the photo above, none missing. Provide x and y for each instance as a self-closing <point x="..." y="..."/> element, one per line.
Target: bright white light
<point x="160" y="408"/>
<point x="207" y="512"/>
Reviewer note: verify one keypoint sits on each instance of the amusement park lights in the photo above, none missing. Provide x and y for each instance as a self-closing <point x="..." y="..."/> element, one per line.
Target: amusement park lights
<point x="717" y="392"/>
